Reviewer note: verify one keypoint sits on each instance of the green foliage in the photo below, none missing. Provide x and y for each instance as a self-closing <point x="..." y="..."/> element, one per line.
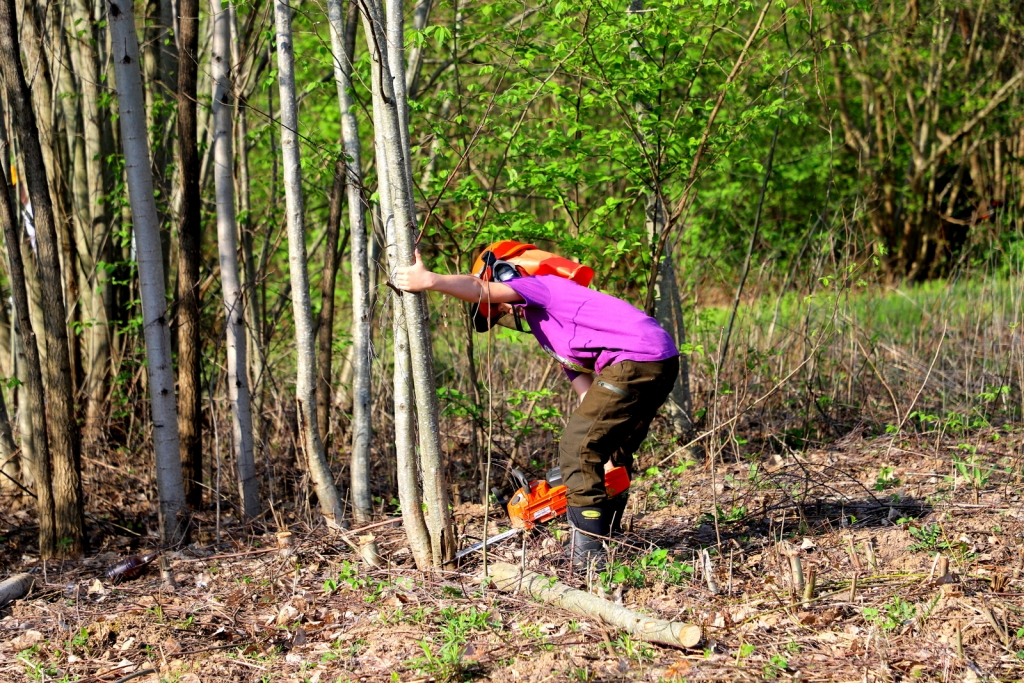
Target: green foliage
<point x="886" y="480"/>
<point x="656" y="566"/>
<point x="894" y="614"/>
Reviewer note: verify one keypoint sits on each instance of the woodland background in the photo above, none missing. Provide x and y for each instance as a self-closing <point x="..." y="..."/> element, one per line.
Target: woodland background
<point x="821" y="201"/>
<point x="802" y="160"/>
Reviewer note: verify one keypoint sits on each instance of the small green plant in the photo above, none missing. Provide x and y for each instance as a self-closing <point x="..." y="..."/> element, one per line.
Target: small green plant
<point x="928" y="538"/>
<point x="892" y="615"/>
<point x="657" y="565"/>
<point x="349" y="574"/>
<point x="580" y="675"/>
<point x="637" y="650"/>
<point x="886" y="480"/>
<point x="776" y="666"/>
<point x="971" y="468"/>
<point x="34" y="669"/>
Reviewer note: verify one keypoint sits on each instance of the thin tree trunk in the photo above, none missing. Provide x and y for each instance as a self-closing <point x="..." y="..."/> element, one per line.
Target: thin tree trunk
<point x="360" y="351"/>
<point x="668" y="308"/>
<point x="74" y="174"/>
<point x="90" y="223"/>
<point x="68" y="510"/>
<point x="419" y="20"/>
<point x="227" y="246"/>
<point x="125" y="56"/>
<point x="391" y="102"/>
<point x="159" y="92"/>
<point x="510" y="577"/>
<point x="305" y="387"/>
<point x="325" y="323"/>
<point x="94" y="242"/>
<point x="10" y="461"/>
<point x="53" y="138"/>
<point x="408" y="468"/>
<point x="252" y="301"/>
<point x="190" y="425"/>
<point x="32" y="410"/>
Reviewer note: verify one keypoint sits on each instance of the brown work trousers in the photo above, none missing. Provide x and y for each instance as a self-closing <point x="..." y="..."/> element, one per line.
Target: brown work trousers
<point x="611" y="423"/>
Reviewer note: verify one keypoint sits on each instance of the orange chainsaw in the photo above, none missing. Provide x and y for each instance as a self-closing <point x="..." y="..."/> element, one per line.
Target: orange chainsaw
<point x="542" y="500"/>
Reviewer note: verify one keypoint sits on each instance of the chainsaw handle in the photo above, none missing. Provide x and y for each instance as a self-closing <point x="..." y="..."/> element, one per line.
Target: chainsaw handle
<point x="521" y="479"/>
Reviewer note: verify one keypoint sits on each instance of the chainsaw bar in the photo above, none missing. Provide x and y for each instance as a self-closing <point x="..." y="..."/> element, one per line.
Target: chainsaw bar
<point x="490" y="541"/>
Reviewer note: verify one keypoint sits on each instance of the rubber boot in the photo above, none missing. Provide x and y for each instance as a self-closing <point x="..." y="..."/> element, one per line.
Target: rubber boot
<point x="616" y="508"/>
<point x="588" y="526"/>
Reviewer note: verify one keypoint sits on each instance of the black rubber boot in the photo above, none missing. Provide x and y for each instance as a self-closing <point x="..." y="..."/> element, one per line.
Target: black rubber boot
<point x="616" y="508"/>
<point x="587" y="527"/>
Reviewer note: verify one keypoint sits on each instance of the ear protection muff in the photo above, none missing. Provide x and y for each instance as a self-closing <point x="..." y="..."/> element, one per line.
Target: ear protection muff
<point x="485" y="315"/>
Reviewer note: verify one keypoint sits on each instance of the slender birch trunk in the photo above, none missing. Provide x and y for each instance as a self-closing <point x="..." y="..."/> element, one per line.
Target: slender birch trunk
<point x="189" y="241"/>
<point x="305" y="386"/>
<point x="125" y="55"/>
<point x="63" y="435"/>
<point x="227" y="246"/>
<point x="391" y="102"/>
<point x="409" y="484"/>
<point x="32" y="410"/>
<point x="252" y="301"/>
<point x="360" y="364"/>
<point x="419" y="20"/>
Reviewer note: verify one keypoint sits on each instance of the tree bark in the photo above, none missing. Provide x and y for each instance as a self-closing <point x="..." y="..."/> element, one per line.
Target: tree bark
<point x="305" y="388"/>
<point x="15" y="588"/>
<point x="360" y="352"/>
<point x="125" y="55"/>
<point x="63" y="433"/>
<point x="391" y="103"/>
<point x="325" y="323"/>
<point x="227" y="246"/>
<point x="32" y="411"/>
<point x="509" y="577"/>
<point x="419" y="20"/>
<point x="408" y="468"/>
<point x="158" y="73"/>
<point x="93" y="240"/>
<point x="53" y="135"/>
<point x="254" y="319"/>
<point x="190" y="426"/>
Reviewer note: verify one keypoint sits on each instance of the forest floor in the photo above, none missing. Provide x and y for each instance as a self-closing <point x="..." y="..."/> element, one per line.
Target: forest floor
<point x="874" y="520"/>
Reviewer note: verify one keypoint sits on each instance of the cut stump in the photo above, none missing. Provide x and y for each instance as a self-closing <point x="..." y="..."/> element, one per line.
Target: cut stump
<point x="509" y="577"/>
<point x="15" y="588"/>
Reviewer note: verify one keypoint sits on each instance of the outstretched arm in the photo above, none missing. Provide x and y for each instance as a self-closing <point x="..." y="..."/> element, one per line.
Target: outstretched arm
<point x="416" y="278"/>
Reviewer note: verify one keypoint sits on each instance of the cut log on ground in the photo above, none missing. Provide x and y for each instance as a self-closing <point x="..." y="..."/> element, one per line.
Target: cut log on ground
<point x="508" y="577"/>
<point x="15" y="588"/>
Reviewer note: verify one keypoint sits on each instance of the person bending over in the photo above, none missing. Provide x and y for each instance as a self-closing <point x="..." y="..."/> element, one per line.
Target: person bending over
<point x="620" y="361"/>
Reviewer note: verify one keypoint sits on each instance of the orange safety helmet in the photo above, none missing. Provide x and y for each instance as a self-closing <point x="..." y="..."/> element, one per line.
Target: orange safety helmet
<point x="509" y="259"/>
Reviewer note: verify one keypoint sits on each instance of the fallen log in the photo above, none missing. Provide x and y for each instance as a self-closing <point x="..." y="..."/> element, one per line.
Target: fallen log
<point x="15" y="588"/>
<point x="509" y="577"/>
